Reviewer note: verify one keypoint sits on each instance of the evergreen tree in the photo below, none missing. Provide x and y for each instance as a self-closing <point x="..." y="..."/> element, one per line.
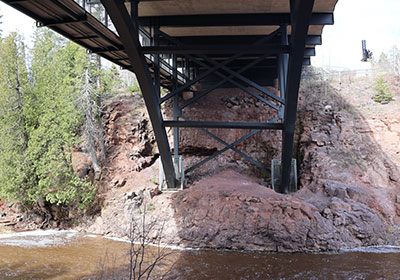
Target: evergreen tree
<point x="42" y="111"/>
<point x="55" y="120"/>
<point x="89" y="109"/>
<point x="13" y="131"/>
<point x="39" y="122"/>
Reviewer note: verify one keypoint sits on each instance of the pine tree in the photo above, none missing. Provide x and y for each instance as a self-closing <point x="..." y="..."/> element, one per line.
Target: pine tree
<point x="13" y="131"/>
<point x="382" y="90"/>
<point x="42" y="111"/>
<point x="56" y="67"/>
<point x="89" y="108"/>
<point x="39" y="121"/>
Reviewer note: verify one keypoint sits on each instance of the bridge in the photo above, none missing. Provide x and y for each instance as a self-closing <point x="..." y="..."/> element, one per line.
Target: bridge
<point x="178" y="45"/>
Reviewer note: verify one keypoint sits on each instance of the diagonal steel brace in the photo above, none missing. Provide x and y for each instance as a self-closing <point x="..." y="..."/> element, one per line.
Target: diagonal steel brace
<point x="213" y="69"/>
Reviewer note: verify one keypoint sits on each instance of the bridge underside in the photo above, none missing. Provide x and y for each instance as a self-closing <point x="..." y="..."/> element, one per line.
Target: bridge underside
<point x="199" y="46"/>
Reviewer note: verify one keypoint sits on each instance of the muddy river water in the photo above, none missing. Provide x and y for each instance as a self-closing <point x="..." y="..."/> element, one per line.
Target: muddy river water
<point x="71" y="255"/>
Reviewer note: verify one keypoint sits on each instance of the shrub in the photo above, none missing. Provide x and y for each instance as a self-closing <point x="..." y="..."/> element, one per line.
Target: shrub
<point x="382" y="92"/>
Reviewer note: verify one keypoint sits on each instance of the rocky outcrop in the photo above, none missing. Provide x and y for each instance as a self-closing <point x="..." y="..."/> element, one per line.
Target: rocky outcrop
<point x="129" y="140"/>
<point x="347" y="165"/>
<point x="349" y="184"/>
<point x="231" y="211"/>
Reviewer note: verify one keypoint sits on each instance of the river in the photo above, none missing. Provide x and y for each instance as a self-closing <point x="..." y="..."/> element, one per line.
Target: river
<point x="72" y="255"/>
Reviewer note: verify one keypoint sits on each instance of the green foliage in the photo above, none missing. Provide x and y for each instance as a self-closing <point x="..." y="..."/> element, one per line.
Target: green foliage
<point x="13" y="132"/>
<point x="134" y="88"/>
<point x="151" y="207"/>
<point x="382" y="91"/>
<point x="111" y="80"/>
<point x="39" y="121"/>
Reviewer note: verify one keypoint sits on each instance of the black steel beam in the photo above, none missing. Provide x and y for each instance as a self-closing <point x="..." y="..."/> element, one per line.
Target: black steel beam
<point x="130" y="38"/>
<point x="228" y="125"/>
<point x="240" y="63"/>
<point x="61" y="22"/>
<point x="216" y="49"/>
<point x="236" y="39"/>
<point x="230" y="20"/>
<point x="267" y="62"/>
<point x="283" y="61"/>
<point x="301" y="14"/>
<point x="313" y="40"/>
<point x="85" y="38"/>
<point x="99" y="51"/>
<point x="309" y="52"/>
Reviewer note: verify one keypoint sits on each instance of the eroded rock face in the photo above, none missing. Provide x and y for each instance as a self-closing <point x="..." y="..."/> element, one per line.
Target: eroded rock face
<point x="231" y="211"/>
<point x="349" y="196"/>
<point x="129" y="140"/>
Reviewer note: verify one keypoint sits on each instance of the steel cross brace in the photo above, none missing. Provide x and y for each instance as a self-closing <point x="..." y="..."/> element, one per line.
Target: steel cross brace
<point x="229" y="146"/>
<point x="301" y="13"/>
<point x="244" y="79"/>
<point x="213" y="69"/>
<point x="229" y="78"/>
<point x="225" y="78"/>
<point x="129" y="35"/>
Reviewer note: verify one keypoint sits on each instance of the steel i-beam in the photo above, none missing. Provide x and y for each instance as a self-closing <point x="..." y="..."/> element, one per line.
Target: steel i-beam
<point x="129" y="35"/>
<point x="156" y="59"/>
<point x="301" y="13"/>
<point x="176" y="113"/>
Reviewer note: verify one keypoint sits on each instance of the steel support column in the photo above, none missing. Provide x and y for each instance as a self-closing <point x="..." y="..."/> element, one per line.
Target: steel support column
<point x="128" y="31"/>
<point x="176" y="113"/>
<point x="156" y="60"/>
<point x="301" y="13"/>
<point x="283" y="61"/>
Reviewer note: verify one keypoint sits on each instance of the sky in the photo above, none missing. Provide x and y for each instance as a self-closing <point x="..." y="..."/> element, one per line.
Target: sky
<point x="376" y="21"/>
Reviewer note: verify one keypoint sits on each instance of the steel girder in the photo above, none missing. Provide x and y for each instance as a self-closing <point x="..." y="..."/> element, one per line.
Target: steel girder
<point x="129" y="34"/>
<point x="231" y="20"/>
<point x="301" y="11"/>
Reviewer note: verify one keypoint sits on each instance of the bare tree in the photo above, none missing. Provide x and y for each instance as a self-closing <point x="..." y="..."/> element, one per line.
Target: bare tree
<point x="148" y="258"/>
<point x="92" y="128"/>
<point x="145" y="262"/>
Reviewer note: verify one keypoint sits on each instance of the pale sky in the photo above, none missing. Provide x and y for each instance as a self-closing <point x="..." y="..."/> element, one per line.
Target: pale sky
<point x="377" y="21"/>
